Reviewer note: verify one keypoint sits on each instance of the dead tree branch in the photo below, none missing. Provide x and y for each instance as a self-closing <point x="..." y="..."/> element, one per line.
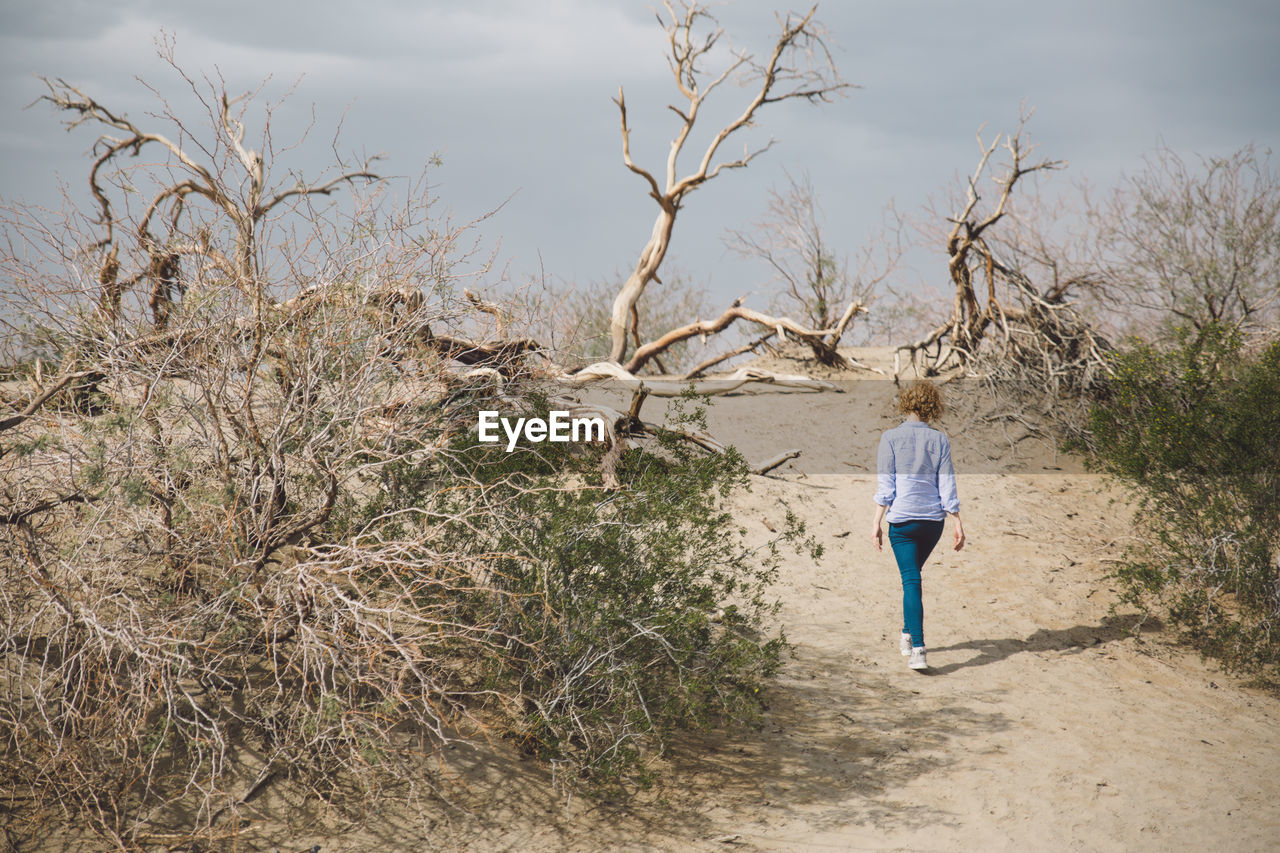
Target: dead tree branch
<point x="725" y="356"/>
<point x="781" y="459"/>
<point x="245" y="200"/>
<point x="798" y="66"/>
<point x="970" y="259"/>
<point x="819" y="340"/>
<point x="36" y="402"/>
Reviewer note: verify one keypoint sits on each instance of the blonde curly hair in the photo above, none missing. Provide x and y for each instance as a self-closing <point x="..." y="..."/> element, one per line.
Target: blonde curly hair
<point x="923" y="399"/>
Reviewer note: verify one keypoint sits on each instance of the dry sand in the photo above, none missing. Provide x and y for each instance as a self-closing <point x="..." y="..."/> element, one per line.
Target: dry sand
<point x="1041" y="725"/>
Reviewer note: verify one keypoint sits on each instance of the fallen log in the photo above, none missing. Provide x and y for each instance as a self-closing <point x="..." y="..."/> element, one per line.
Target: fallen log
<point x="603" y="371"/>
<point x="769" y="465"/>
<point x="821" y="341"/>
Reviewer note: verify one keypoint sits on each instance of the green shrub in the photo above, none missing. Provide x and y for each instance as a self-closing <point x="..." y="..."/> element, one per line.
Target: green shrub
<point x="629" y="612"/>
<point x="1194" y="429"/>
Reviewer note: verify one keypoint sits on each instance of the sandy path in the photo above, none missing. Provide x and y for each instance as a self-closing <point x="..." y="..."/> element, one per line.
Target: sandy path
<point x="1042" y="725"/>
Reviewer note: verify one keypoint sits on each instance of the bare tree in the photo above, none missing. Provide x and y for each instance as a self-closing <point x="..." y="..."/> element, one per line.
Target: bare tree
<point x="1031" y="320"/>
<point x="1185" y="246"/>
<point x="1014" y="323"/>
<point x="791" y="241"/>
<point x="814" y="280"/>
<point x="970" y="259"/>
<point x="798" y="66"/>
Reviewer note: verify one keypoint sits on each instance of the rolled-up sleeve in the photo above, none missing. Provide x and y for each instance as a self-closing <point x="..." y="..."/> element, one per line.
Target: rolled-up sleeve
<point x="947" y="494"/>
<point x="886" y="474"/>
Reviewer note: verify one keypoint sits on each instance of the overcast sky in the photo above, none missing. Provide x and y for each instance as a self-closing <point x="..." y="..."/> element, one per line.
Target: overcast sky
<point x="515" y="96"/>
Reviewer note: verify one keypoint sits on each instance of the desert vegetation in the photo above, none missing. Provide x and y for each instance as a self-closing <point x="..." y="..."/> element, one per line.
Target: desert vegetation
<point x="1192" y="427"/>
<point x="248" y="534"/>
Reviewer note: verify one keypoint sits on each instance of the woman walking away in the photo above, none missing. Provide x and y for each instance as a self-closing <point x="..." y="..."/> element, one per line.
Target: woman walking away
<point x="916" y="491"/>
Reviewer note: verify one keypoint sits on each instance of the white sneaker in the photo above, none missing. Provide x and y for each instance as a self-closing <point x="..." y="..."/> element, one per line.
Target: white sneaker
<point x="917" y="658"/>
<point x="905" y="644"/>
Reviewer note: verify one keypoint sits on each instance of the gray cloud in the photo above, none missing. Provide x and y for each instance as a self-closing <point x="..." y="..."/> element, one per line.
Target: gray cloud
<point x="517" y="97"/>
<point x="83" y="19"/>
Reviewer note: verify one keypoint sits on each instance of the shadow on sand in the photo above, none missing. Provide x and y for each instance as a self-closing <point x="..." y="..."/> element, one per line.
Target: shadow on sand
<point x="836" y="745"/>
<point x="1073" y="639"/>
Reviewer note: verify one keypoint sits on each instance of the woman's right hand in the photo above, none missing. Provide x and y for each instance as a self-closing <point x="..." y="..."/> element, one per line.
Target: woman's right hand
<point x="959" y="535"/>
<point x="877" y="535"/>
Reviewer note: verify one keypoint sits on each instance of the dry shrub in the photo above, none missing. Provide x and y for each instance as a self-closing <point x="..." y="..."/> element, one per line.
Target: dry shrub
<point x="248" y="533"/>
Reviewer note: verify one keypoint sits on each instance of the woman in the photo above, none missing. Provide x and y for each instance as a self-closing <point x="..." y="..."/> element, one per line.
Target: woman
<point x="916" y="491"/>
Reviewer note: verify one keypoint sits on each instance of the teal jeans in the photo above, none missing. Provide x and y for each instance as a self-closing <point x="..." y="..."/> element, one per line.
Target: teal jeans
<point x="912" y="543"/>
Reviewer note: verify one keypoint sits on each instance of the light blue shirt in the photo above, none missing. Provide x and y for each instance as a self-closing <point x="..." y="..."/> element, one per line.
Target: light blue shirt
<point x="914" y="474"/>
